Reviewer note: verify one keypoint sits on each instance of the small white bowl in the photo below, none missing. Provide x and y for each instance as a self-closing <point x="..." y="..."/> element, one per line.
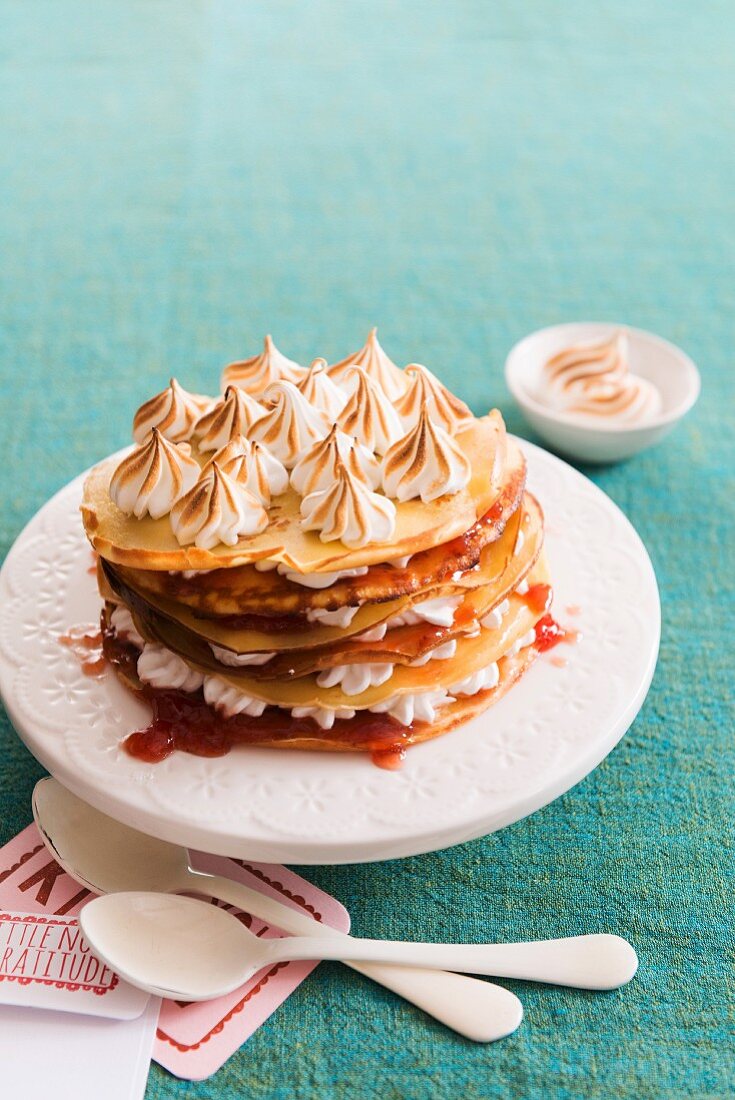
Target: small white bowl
<point x="671" y="371"/>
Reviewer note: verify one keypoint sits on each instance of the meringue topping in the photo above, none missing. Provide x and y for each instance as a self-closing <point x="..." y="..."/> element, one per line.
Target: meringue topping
<point x="320" y="391"/>
<point x="152" y="478"/>
<point x="173" y="411"/>
<point x="217" y="509"/>
<point x="426" y="463"/>
<point x="425" y="389"/>
<point x="350" y="511"/>
<point x="254" y="467"/>
<point x="229" y="419"/>
<point x="369" y="415"/>
<point x="594" y="379"/>
<point x="290" y="425"/>
<point x="376" y="365"/>
<point x="256" y="374"/>
<point x="316" y="467"/>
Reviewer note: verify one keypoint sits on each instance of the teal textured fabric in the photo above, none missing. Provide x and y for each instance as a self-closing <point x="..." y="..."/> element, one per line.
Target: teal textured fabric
<point x="179" y="178"/>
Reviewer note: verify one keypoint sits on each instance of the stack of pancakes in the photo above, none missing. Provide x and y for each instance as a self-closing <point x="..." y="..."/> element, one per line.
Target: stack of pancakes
<point x="295" y="642"/>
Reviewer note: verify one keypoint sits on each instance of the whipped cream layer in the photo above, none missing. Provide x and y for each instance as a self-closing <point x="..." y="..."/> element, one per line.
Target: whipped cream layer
<point x="594" y="381"/>
<point x="161" y="668"/>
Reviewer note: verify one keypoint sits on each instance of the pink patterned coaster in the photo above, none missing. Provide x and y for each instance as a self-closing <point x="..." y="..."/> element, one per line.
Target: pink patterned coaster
<point x="196" y="1039"/>
<point x="193" y="1040"/>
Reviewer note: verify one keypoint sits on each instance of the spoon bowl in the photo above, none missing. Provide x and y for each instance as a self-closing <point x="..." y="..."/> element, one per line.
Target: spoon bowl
<point x="101" y="853"/>
<point x="172" y="946"/>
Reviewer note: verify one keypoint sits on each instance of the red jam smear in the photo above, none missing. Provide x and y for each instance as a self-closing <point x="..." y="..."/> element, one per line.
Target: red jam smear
<point x="185" y="722"/>
<point x="464" y="614"/>
<point x="537" y="598"/>
<point x="86" y="643"/>
<point x="460" y="545"/>
<point x="550" y="634"/>
<point x="391" y="760"/>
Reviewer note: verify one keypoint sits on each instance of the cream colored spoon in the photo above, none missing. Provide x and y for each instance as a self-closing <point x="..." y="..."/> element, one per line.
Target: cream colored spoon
<point x="190" y="950"/>
<point x="108" y="857"/>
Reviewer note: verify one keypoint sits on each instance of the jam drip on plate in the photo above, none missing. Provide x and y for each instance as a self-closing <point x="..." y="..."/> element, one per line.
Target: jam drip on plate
<point x="184" y="721"/>
<point x="86" y="643"/>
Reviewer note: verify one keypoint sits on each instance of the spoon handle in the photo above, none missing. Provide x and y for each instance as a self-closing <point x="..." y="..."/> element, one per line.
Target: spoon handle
<point x="478" y="1010"/>
<point x="583" y="962"/>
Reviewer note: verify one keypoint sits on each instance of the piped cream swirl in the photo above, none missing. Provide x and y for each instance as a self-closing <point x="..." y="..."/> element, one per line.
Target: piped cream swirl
<point x="163" y="669"/>
<point x="425" y="463"/>
<point x="173" y="411"/>
<point x="316" y="467"/>
<point x="350" y="511"/>
<point x="376" y="364"/>
<point x="290" y="425"/>
<point x="151" y="479"/>
<point x="594" y="380"/>
<point x="369" y="415"/>
<point x="260" y="371"/>
<point x="229" y="419"/>
<point x="425" y="389"/>
<point x="217" y="510"/>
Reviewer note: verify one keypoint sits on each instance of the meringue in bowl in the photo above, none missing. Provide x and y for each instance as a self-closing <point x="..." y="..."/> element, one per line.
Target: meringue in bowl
<point x="598" y="423"/>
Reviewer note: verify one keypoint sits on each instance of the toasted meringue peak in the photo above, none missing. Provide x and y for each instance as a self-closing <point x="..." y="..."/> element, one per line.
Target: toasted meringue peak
<point x="350" y="511"/>
<point x="290" y="425"/>
<point x="320" y="391"/>
<point x="230" y="418"/>
<point x="426" y="463"/>
<point x="256" y="374"/>
<point x="173" y="411"/>
<point x="217" y="509"/>
<point x="376" y="365"/>
<point x="369" y="415"/>
<point x="594" y="380"/>
<point x="316" y="467"/>
<point x="152" y="478"/>
<point x="252" y="466"/>
<point x="425" y="389"/>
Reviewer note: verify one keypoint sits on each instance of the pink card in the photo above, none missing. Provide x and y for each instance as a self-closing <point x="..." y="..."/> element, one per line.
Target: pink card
<point x="193" y="1040"/>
